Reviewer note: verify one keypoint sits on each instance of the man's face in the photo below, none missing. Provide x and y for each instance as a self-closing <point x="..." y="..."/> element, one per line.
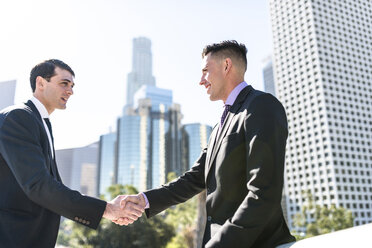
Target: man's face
<point x="57" y="91"/>
<point x="213" y="77"/>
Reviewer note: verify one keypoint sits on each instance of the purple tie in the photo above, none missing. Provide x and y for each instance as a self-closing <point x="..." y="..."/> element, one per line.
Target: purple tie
<point x="224" y="114"/>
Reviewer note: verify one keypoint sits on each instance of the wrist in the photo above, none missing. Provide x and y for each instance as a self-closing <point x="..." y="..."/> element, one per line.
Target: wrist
<point x="143" y="199"/>
<point x="106" y="213"/>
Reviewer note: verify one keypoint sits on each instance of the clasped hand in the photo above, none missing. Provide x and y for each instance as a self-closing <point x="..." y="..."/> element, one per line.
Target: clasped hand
<point x="125" y="209"/>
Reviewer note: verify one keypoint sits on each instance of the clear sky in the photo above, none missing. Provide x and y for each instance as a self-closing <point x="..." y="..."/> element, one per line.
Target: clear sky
<point x="95" y="38"/>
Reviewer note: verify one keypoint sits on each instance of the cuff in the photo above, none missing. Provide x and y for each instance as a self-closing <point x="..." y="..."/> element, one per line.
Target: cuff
<point x="147" y="201"/>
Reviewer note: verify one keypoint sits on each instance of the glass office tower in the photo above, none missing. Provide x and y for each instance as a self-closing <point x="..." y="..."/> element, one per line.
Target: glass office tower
<point x="141" y="73"/>
<point x="268" y="77"/>
<point x="106" y="163"/>
<point x="195" y="137"/>
<point x="149" y="140"/>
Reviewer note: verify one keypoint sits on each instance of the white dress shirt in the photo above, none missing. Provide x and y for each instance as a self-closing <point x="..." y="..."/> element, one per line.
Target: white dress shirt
<point x="44" y="114"/>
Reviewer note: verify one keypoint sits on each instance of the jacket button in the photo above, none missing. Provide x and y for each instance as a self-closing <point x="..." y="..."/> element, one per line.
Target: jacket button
<point x="77" y="218"/>
<point x="88" y="222"/>
<point x="209" y="218"/>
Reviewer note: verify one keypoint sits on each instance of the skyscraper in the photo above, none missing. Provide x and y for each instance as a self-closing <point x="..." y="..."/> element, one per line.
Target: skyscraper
<point x="269" y="87"/>
<point x="194" y="138"/>
<point x="141" y="73"/>
<point x="322" y="63"/>
<point x="7" y="92"/>
<point x="268" y="76"/>
<point x="106" y="163"/>
<point x="149" y="139"/>
<point x="78" y="168"/>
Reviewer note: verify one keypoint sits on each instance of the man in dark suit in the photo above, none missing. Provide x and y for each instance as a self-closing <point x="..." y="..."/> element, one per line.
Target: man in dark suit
<point x="242" y="167"/>
<point x="32" y="196"/>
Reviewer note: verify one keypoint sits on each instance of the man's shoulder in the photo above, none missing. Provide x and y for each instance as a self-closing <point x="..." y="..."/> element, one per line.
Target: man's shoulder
<point x="263" y="104"/>
<point x="16" y="111"/>
<point x="259" y="98"/>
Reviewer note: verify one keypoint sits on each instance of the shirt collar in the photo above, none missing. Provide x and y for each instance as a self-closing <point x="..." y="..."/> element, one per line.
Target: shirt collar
<point x="235" y="92"/>
<point x="40" y="107"/>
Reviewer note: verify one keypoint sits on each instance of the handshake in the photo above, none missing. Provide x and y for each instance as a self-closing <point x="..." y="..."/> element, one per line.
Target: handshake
<point x="125" y="209"/>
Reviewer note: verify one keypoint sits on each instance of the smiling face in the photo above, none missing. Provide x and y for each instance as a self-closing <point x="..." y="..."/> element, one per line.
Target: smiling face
<point x="213" y="77"/>
<point x="54" y="94"/>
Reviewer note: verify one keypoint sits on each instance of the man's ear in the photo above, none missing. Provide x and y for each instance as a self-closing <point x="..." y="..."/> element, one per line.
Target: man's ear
<point x="39" y="82"/>
<point x="227" y="65"/>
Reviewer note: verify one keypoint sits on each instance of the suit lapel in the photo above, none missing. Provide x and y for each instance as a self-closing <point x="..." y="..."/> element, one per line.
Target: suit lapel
<point x="51" y="163"/>
<point x="222" y="133"/>
<point x="212" y="143"/>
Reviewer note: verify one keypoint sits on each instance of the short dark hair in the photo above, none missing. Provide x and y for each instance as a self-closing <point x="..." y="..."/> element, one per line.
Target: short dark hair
<point x="46" y="69"/>
<point x="228" y="49"/>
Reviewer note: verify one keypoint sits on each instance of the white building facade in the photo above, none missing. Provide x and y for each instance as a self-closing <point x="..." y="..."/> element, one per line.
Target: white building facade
<point x="7" y="93"/>
<point x="78" y="168"/>
<point x="323" y="74"/>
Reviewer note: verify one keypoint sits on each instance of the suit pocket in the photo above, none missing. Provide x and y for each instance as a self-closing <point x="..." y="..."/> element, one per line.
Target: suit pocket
<point x="17" y="213"/>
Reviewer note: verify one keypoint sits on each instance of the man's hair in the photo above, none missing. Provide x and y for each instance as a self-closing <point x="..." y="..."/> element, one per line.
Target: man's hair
<point x="46" y="69"/>
<point x="228" y="49"/>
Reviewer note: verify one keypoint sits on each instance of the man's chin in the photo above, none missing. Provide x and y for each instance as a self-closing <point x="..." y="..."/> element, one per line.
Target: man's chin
<point x="63" y="106"/>
<point x="212" y="98"/>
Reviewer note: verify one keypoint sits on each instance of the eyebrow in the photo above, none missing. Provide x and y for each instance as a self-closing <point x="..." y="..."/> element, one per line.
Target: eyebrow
<point x="68" y="80"/>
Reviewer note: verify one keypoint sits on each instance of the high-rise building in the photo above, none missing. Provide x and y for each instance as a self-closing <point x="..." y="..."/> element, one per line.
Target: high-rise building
<point x="141" y="73"/>
<point x="323" y="74"/>
<point x="7" y="93"/>
<point x="106" y="163"/>
<point x="195" y="137"/>
<point x="149" y="139"/>
<point x="268" y="76"/>
<point x="64" y="159"/>
<point x="78" y="168"/>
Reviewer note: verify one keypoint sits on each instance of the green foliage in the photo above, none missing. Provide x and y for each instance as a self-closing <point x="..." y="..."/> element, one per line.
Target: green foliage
<point x="171" y="176"/>
<point x="321" y="219"/>
<point x="142" y="233"/>
<point x="183" y="219"/>
<point x="158" y="231"/>
<point x="119" y="189"/>
<point x="154" y="232"/>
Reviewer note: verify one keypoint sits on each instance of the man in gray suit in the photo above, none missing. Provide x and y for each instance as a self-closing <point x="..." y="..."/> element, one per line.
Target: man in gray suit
<point x="32" y="195"/>
<point x="242" y="167"/>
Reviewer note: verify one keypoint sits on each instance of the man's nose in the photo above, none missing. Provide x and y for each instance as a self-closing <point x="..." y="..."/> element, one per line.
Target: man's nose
<point x="202" y="80"/>
<point x="70" y="91"/>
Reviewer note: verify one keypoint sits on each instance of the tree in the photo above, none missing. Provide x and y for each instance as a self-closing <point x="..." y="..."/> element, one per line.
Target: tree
<point x="318" y="220"/>
<point x="183" y="219"/>
<point x="154" y="232"/>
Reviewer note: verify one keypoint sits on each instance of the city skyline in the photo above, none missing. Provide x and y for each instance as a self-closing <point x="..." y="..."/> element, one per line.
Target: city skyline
<point x="99" y="51"/>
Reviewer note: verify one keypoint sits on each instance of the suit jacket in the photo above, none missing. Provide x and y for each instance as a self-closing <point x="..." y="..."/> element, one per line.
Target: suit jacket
<point x="32" y="196"/>
<point x="242" y="171"/>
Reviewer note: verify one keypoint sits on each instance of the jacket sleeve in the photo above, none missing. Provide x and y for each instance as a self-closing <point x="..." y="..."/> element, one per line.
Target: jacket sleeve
<point x="179" y="190"/>
<point x="21" y="149"/>
<point x="265" y="139"/>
